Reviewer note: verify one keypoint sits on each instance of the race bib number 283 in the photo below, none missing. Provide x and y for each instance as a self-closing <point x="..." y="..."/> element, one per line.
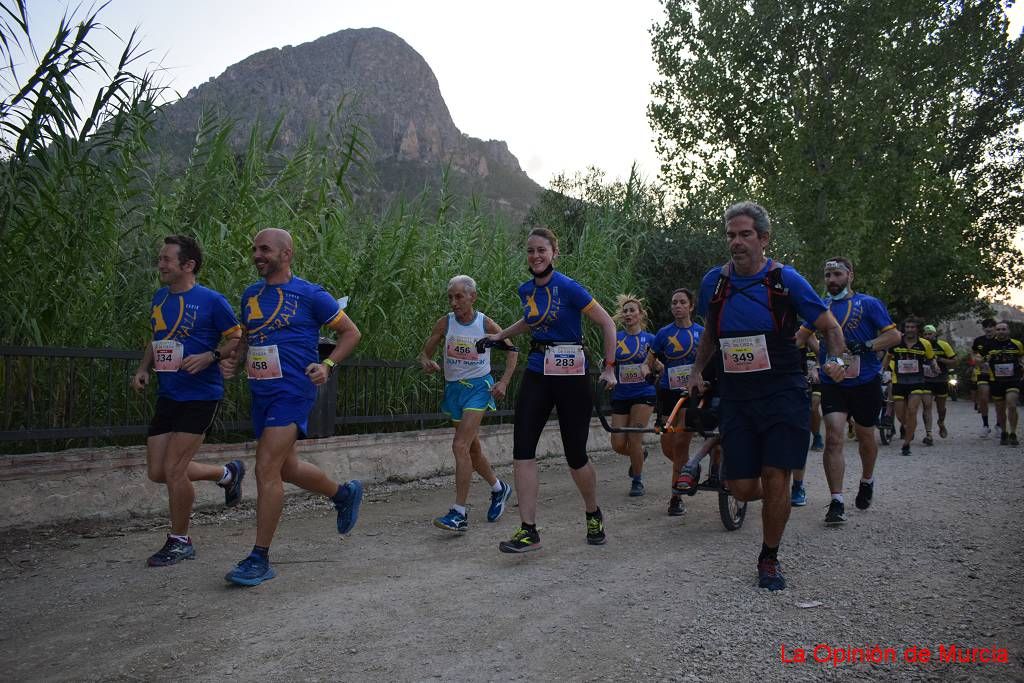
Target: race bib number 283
<point x="566" y="359"/>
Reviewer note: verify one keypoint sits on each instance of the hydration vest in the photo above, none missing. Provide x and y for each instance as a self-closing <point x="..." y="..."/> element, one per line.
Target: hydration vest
<point x="785" y="356"/>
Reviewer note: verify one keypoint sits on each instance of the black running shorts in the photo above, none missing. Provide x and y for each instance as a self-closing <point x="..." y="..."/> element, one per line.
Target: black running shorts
<point x="862" y="402"/>
<point x="190" y="417"/>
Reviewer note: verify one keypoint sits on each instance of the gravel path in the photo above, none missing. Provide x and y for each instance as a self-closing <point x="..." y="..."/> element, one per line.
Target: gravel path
<point x="937" y="560"/>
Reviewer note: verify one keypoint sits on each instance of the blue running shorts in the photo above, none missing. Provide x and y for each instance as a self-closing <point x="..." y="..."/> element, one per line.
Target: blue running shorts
<point x="468" y="394"/>
<point x="281" y="410"/>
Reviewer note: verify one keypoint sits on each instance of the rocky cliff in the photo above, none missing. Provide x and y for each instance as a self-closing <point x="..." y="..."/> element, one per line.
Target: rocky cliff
<point x="388" y="89"/>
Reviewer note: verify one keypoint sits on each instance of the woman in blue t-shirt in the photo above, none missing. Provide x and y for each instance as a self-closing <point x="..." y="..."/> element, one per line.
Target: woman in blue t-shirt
<point x="675" y="348"/>
<point x="555" y="377"/>
<point x="633" y="397"/>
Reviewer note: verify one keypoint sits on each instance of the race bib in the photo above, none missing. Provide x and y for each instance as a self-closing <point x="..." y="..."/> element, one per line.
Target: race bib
<point x="566" y="359"/>
<point x="745" y="354"/>
<point x="462" y="348"/>
<point x="1003" y="369"/>
<point x="852" y="366"/>
<point x="631" y="374"/>
<point x="679" y="376"/>
<point x="167" y="355"/>
<point x="930" y="372"/>
<point x="909" y="366"/>
<point x="263" y="362"/>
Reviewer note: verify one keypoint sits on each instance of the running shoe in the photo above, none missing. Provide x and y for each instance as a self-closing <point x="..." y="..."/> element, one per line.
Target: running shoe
<point x="1004" y="439"/>
<point x="798" y="496"/>
<point x="233" y="489"/>
<point x="453" y="521"/>
<point x="595" y="531"/>
<point x="498" y="500"/>
<point x="927" y="440"/>
<point x="864" y="495"/>
<point x="819" y="443"/>
<point x="850" y="434"/>
<point x="985" y="432"/>
<point x="943" y="432"/>
<point x="522" y="541"/>
<point x="769" y="575"/>
<point x="636" y="488"/>
<point x="173" y="552"/>
<point x="712" y="483"/>
<point x="676" y="507"/>
<point x="348" y="510"/>
<point x="905" y="450"/>
<point x="252" y="571"/>
<point x="687" y="481"/>
<point x="1013" y="439"/>
<point x="836" y="514"/>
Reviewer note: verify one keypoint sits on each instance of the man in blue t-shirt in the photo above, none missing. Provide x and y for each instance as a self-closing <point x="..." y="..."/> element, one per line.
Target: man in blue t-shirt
<point x="868" y="331"/>
<point x="281" y="319"/>
<point x="752" y="307"/>
<point x="193" y="327"/>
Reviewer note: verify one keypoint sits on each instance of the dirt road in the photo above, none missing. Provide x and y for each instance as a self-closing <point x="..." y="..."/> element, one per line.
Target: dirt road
<point x="937" y="560"/>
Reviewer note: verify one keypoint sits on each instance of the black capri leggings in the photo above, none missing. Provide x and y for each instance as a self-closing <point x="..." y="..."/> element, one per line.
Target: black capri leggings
<point x="538" y="394"/>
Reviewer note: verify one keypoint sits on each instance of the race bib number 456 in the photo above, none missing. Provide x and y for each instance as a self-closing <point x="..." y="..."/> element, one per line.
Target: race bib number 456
<point x="462" y="348"/>
<point x="745" y="354"/>
<point x="263" y="362"/>
<point x="566" y="359"/>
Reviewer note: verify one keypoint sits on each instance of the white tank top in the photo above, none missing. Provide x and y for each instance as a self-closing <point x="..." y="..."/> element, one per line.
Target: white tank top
<point x="461" y="361"/>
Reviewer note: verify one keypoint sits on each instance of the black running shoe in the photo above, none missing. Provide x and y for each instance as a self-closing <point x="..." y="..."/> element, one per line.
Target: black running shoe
<point x="769" y="575"/>
<point x="864" y="494"/>
<point x="173" y="552"/>
<point x="676" y="507"/>
<point x="595" y="531"/>
<point x="1013" y="439"/>
<point x="836" y="515"/>
<point x="233" y="489"/>
<point x="905" y="450"/>
<point x="1004" y="439"/>
<point x="522" y="541"/>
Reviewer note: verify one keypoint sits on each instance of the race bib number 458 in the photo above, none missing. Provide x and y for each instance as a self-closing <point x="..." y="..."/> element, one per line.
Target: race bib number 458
<point x="745" y="354"/>
<point x="263" y="362"/>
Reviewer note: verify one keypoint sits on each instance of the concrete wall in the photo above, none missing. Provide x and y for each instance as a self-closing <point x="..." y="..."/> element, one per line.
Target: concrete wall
<point x="111" y="483"/>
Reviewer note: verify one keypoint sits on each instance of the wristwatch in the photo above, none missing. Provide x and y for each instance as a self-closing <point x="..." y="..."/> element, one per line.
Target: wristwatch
<point x="837" y="360"/>
<point x="330" y="365"/>
<point x="216" y="356"/>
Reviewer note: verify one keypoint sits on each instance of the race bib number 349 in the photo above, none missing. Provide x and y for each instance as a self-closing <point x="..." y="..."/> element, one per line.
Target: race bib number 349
<point x="566" y="359"/>
<point x="745" y="354"/>
<point x="263" y="362"/>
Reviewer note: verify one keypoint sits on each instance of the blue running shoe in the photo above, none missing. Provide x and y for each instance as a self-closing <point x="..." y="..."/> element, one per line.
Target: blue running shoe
<point x="173" y="552"/>
<point x="798" y="496"/>
<point x="769" y="575"/>
<point x="498" y="499"/>
<point x="819" y="443"/>
<point x="453" y="521"/>
<point x="348" y="510"/>
<point x="252" y="571"/>
<point x="233" y="489"/>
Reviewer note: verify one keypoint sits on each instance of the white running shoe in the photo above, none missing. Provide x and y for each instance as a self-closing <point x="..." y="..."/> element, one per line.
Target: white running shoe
<point x="985" y="432"/>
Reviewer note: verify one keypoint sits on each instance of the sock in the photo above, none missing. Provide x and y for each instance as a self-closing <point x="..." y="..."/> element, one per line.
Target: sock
<point x="798" y="483"/>
<point x="596" y="513"/>
<point x="183" y="539"/>
<point x="867" y="481"/>
<point x="838" y="497"/>
<point x="461" y="509"/>
<point x="497" y="486"/>
<point x="225" y="478"/>
<point x="532" y="528"/>
<point x="984" y="420"/>
<point x="768" y="553"/>
<point x="341" y="495"/>
<point x="261" y="552"/>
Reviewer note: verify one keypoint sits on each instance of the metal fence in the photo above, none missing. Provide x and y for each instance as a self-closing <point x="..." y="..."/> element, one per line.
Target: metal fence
<point x="56" y="398"/>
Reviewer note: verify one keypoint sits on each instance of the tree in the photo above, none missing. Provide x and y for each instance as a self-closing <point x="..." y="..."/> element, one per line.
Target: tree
<point x="886" y="132"/>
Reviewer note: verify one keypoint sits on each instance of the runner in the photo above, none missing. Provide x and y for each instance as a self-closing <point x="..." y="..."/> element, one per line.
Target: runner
<point x="282" y="316"/>
<point x="753" y="306"/>
<point x="633" y="397"/>
<point x="867" y="330"/>
<point x="555" y="377"/>
<point x="1004" y="375"/>
<point x="979" y="351"/>
<point x="811" y="345"/>
<point x="193" y="327"/>
<point x="908" y="360"/>
<point x="675" y="349"/>
<point x="938" y="384"/>
<point x="469" y="392"/>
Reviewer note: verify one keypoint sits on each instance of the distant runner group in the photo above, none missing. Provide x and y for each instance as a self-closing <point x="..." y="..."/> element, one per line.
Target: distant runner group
<point x="772" y="353"/>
